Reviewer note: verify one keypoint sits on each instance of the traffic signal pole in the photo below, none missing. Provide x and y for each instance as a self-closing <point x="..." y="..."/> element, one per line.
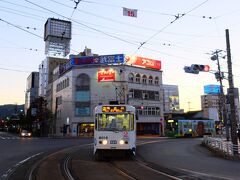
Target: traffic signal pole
<point x="231" y="96"/>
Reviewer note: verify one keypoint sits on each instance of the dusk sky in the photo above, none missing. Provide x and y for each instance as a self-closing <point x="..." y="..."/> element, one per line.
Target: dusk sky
<point x="176" y="32"/>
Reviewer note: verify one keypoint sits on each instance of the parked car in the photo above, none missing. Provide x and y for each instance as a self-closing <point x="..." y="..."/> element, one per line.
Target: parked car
<point x="25" y="133"/>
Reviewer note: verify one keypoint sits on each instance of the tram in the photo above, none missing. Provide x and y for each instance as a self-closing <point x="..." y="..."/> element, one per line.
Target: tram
<point x="114" y="131"/>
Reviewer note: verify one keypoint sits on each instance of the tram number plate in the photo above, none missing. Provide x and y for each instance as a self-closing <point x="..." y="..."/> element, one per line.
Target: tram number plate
<point x="113" y="142"/>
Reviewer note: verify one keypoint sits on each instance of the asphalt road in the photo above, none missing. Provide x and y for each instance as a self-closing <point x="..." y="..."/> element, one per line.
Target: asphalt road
<point x="180" y="155"/>
<point x="14" y="150"/>
<point x="189" y="156"/>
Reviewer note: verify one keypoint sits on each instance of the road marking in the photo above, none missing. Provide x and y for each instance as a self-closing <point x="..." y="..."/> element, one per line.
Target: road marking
<point x="202" y="174"/>
<point x="148" y="142"/>
<point x="12" y="169"/>
<point x="141" y="163"/>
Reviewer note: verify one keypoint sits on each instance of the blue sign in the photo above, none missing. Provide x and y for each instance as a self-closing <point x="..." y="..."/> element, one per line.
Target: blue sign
<point x="106" y="59"/>
<point x="112" y="59"/>
<point x="212" y="89"/>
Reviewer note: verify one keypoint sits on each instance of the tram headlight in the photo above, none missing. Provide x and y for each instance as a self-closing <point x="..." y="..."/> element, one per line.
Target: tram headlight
<point x="121" y="142"/>
<point x="104" y="142"/>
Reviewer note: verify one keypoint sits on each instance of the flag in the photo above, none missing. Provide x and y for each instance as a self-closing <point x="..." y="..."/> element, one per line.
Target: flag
<point x="129" y="12"/>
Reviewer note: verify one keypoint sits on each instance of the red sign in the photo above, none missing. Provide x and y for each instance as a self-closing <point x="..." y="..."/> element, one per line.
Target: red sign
<point x="143" y="62"/>
<point x="106" y="75"/>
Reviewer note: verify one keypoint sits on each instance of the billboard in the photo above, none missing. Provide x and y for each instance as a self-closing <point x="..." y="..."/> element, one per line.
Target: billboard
<point x="105" y="75"/>
<point x="105" y="59"/>
<point x="212" y="89"/>
<point x="174" y="102"/>
<point x="143" y="62"/>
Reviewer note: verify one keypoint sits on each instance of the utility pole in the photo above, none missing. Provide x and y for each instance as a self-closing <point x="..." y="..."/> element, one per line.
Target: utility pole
<point x="222" y="100"/>
<point x="231" y="95"/>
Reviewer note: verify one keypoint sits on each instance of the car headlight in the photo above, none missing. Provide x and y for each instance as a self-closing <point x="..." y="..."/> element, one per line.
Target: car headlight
<point x="121" y="142"/>
<point x="104" y="142"/>
<point x="29" y="134"/>
<point x="23" y="134"/>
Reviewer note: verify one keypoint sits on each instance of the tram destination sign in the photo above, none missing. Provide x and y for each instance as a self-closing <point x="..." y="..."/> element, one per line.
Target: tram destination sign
<point x="113" y="108"/>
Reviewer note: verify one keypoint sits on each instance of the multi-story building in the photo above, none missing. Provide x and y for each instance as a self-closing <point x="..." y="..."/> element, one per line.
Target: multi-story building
<point x="171" y="106"/>
<point x="46" y="77"/>
<point x="210" y="106"/>
<point x="93" y="80"/>
<point x="31" y="90"/>
<point x="171" y="98"/>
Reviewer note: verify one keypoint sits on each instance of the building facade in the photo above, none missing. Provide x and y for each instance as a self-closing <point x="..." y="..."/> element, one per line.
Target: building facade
<point x="171" y="106"/>
<point x="46" y="77"/>
<point x="210" y="106"/>
<point x="82" y="87"/>
<point x="171" y="99"/>
<point x="31" y="90"/>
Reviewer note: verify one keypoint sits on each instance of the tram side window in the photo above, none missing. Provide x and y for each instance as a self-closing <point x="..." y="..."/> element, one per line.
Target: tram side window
<point x="96" y="120"/>
<point x="131" y="122"/>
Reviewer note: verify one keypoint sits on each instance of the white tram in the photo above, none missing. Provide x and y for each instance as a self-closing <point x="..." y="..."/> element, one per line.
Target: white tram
<point x="115" y="130"/>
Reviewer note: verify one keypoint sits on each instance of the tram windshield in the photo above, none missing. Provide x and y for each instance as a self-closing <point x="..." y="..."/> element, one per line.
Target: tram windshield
<point x="115" y="122"/>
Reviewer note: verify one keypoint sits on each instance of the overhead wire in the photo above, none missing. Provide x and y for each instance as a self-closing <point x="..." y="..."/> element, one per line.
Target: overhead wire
<point x="136" y="42"/>
<point x="89" y="26"/>
<point x="94" y="24"/>
<point x="11" y="24"/>
<point x="97" y="30"/>
<point x="177" y="17"/>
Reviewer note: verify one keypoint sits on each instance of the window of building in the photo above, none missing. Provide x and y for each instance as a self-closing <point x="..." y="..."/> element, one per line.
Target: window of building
<point x="144" y="79"/>
<point x="82" y="111"/>
<point x="83" y="82"/>
<point x="156" y="81"/>
<point x="145" y="95"/>
<point x="150" y="80"/>
<point x="148" y="111"/>
<point x="67" y="82"/>
<point x="64" y="83"/>
<point x="131" y="94"/>
<point x="137" y="94"/>
<point x="138" y="77"/>
<point x="82" y="95"/>
<point x="156" y="94"/>
<point x="130" y="77"/>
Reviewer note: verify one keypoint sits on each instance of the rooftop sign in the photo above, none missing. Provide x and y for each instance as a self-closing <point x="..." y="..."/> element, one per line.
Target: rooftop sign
<point x="143" y="62"/>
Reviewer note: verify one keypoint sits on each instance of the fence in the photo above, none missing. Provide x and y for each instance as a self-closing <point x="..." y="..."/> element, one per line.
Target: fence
<point x="222" y="145"/>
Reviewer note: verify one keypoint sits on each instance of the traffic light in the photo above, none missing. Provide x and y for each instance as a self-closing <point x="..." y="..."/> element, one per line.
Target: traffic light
<point x="219" y="76"/>
<point x="189" y="69"/>
<point x="200" y="67"/>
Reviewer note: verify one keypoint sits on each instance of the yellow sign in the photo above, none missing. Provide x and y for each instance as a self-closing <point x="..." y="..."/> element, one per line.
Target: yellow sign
<point x="113" y="108"/>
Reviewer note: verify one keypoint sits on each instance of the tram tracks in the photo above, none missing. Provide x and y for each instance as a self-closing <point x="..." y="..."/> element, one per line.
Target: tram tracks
<point x="72" y="164"/>
<point x="67" y="168"/>
<point x="68" y="164"/>
<point x="58" y="162"/>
